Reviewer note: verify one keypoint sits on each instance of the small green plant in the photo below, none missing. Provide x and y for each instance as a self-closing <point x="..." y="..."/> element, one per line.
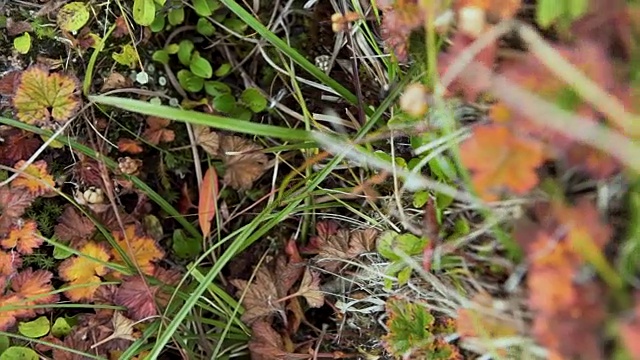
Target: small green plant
<point x="413" y="333"/>
<point x="395" y="247"/>
<point x="22" y="43"/>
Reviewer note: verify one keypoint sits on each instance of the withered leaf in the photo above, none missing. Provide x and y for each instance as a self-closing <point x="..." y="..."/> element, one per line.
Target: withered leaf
<point x="157" y="132"/>
<point x="266" y="343"/>
<point x="73" y="227"/>
<point x="8" y="82"/>
<point x="244" y="162"/>
<point x="143" y="299"/>
<point x="362" y="241"/>
<point x="334" y="249"/>
<point x="261" y="297"/>
<point x="310" y="289"/>
<point x="18" y="145"/>
<point x="116" y="80"/>
<point x="208" y="140"/>
<point x="13" y="203"/>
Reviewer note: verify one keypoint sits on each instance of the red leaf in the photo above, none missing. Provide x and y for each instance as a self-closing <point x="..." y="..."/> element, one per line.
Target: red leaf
<point x="207" y="201"/>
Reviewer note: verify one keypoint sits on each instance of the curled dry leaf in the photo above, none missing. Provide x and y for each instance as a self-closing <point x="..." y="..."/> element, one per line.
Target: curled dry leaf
<point x="244" y="162"/>
<point x="41" y="96"/>
<point x="208" y="140"/>
<point x="74" y="228"/>
<point x="310" y="289"/>
<point x="157" y="132"/>
<point x="34" y="178"/>
<point x="24" y="239"/>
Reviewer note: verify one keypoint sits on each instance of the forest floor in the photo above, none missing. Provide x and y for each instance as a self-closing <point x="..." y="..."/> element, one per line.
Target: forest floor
<point x="213" y="179"/>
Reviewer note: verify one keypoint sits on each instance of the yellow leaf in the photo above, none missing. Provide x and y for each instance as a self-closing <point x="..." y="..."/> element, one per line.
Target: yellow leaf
<point x="82" y="270"/>
<point x="23" y="239"/>
<point x="41" y="96"/>
<point x="141" y="249"/>
<point x="34" y="178"/>
<point x="207" y="201"/>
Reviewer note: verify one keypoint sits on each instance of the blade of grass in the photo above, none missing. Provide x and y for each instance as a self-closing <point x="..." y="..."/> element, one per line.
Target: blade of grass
<point x="199" y="118"/>
<point x="265" y="33"/>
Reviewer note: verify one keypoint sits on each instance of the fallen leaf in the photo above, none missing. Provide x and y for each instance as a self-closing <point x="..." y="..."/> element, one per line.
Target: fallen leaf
<point x="84" y="271"/>
<point x="343" y="245"/>
<point x="208" y="140"/>
<point x="129" y="146"/>
<point x="34" y="287"/>
<point x="143" y="299"/>
<point x="24" y="239"/>
<point x="266" y="343"/>
<point x="115" y="80"/>
<point x="122" y="329"/>
<point x="261" y="297"/>
<point x="13" y="203"/>
<point x="8" y="82"/>
<point x="500" y="160"/>
<point x="10" y="262"/>
<point x="74" y="228"/>
<point x="310" y="289"/>
<point x="141" y="249"/>
<point x="243" y="160"/>
<point x="207" y="200"/>
<point x="157" y="132"/>
<point x="18" y="145"/>
<point x="41" y="96"/>
<point x="34" y="178"/>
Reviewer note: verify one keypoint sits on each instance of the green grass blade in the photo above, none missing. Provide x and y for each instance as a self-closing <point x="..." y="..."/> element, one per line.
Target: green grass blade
<point x="265" y="33"/>
<point x="198" y="118"/>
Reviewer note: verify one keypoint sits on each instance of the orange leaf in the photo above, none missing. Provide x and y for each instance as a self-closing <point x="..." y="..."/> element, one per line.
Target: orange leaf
<point x="501" y="161"/>
<point x="207" y="201"/>
<point x="157" y="132"/>
<point x="34" y="286"/>
<point x="34" y="178"/>
<point x="9" y="263"/>
<point x="140" y="249"/>
<point x="129" y="146"/>
<point x="81" y="270"/>
<point x="23" y="239"/>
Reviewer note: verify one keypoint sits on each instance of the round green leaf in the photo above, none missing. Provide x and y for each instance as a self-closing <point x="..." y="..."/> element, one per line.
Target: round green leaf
<point x="19" y="353"/>
<point x="172" y="49"/>
<point x="225" y="103"/>
<point x="161" y="56"/>
<point x="176" y="16"/>
<point x="158" y="24"/>
<point x="60" y="253"/>
<point x="22" y="43"/>
<point x="190" y="82"/>
<point x="4" y="343"/>
<point x="144" y="12"/>
<point x="184" y="52"/>
<point x="205" y="27"/>
<point x="199" y="66"/>
<point x="223" y="69"/>
<point x="60" y="328"/>
<point x="205" y="7"/>
<point x="185" y="247"/>
<point x="254" y="100"/>
<point x="236" y="25"/>
<point x="216" y="88"/>
<point x="34" y="329"/>
<point x="241" y="113"/>
<point x="73" y="16"/>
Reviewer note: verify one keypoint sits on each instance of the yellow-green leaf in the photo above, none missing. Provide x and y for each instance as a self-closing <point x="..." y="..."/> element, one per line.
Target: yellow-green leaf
<point x="144" y="12"/>
<point x="22" y="43"/>
<point x="73" y="16"/>
<point x="34" y="329"/>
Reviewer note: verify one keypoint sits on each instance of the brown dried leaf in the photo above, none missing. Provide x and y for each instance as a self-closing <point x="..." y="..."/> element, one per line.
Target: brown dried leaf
<point x="8" y="82"/>
<point x="129" y="146"/>
<point x="362" y="241"/>
<point x="266" y="343"/>
<point x="244" y="163"/>
<point x="73" y="227"/>
<point x="310" y="289"/>
<point x="13" y="203"/>
<point x="18" y="145"/>
<point x="207" y="139"/>
<point x="114" y="81"/>
<point x="157" y="132"/>
<point x="260" y="299"/>
<point x="142" y="299"/>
